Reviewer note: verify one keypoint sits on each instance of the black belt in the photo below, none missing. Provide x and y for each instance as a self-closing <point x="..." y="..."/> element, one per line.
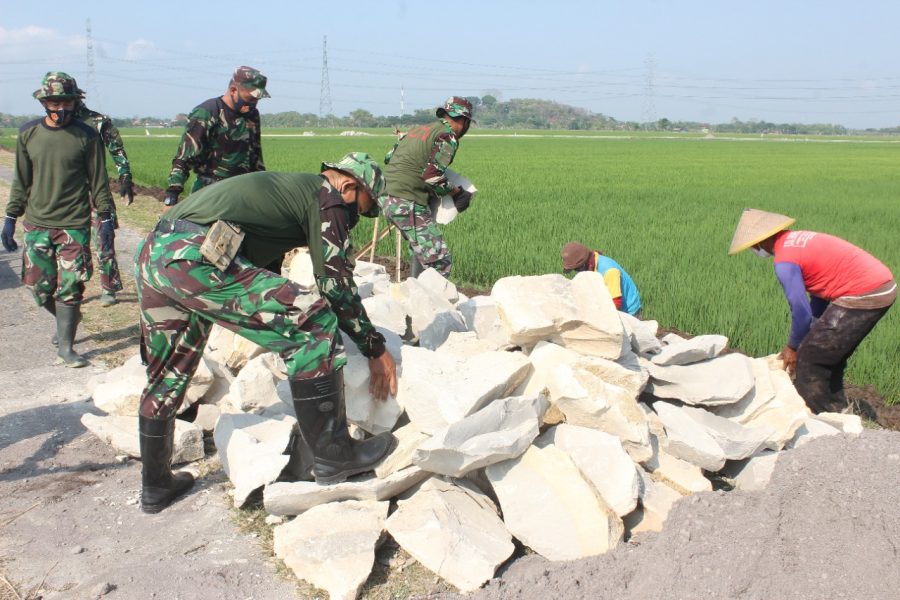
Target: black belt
<point x="179" y="226"/>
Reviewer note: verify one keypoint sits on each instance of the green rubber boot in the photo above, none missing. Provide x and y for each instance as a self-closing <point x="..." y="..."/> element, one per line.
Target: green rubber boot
<point x="67" y="318"/>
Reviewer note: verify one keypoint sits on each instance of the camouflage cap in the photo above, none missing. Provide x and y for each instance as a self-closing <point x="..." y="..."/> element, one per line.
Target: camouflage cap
<point x="57" y="84"/>
<point x="456" y="106"/>
<point x="363" y="169"/>
<point x="252" y="80"/>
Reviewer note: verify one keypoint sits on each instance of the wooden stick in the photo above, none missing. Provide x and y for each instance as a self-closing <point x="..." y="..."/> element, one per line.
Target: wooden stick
<point x="398" y="255"/>
<point x="371" y="244"/>
<point x="374" y="238"/>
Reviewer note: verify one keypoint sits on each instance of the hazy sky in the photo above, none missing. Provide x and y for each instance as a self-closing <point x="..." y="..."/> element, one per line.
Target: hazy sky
<point x="784" y="61"/>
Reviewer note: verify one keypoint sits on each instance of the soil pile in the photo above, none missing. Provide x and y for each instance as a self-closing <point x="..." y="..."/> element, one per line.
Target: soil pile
<point x="827" y="526"/>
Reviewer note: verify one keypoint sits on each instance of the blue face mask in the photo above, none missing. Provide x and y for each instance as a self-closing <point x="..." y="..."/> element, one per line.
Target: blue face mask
<point x="240" y="103"/>
<point x="61" y="116"/>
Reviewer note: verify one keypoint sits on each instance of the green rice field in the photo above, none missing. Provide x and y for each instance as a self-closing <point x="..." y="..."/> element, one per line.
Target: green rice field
<point x="665" y="207"/>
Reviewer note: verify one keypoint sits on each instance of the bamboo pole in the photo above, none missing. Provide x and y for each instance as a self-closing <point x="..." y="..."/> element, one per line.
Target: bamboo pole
<point x="374" y="239"/>
<point x="398" y="255"/>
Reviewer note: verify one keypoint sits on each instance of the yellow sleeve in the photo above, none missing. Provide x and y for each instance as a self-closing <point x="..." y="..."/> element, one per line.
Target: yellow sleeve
<point x="613" y="280"/>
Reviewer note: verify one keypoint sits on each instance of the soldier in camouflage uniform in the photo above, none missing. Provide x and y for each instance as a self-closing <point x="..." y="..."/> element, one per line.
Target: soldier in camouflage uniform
<point x="415" y="172"/>
<point x="182" y="294"/>
<point x="222" y="136"/>
<point x="110" y="280"/>
<point x="59" y="169"/>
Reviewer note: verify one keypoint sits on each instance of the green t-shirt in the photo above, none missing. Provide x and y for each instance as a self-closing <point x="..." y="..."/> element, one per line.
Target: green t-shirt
<point x="58" y="170"/>
<point x="277" y="212"/>
<point x="415" y="167"/>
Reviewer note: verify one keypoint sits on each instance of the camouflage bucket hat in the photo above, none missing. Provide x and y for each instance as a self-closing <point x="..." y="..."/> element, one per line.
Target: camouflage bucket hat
<point x="57" y="84"/>
<point x="456" y="106"/>
<point x="363" y="169"/>
<point x="252" y="80"/>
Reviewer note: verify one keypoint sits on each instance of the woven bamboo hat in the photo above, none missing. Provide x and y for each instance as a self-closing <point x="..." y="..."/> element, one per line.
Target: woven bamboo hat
<point x="756" y="226"/>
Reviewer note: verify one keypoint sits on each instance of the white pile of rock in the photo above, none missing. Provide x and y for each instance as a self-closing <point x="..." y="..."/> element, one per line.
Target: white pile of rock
<point x="538" y="412"/>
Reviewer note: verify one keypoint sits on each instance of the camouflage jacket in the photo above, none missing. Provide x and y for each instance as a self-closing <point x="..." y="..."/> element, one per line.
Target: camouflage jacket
<point x="415" y="166"/>
<point x="109" y="133"/>
<point x="300" y="209"/>
<point x="217" y="143"/>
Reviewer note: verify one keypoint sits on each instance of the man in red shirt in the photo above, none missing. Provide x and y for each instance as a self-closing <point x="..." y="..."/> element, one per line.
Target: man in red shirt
<point x="837" y="293"/>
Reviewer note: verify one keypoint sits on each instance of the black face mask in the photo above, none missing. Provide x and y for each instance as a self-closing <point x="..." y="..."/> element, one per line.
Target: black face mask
<point x="61" y="116"/>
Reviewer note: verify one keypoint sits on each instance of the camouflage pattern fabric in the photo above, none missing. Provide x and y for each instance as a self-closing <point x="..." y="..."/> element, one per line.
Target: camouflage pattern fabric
<point x="110" y="279"/>
<point x="456" y="106"/>
<point x="111" y="137"/>
<point x="415" y="222"/>
<point x="181" y="296"/>
<point x="57" y="84"/>
<point x="416" y="166"/>
<point x="217" y="143"/>
<point x="56" y="263"/>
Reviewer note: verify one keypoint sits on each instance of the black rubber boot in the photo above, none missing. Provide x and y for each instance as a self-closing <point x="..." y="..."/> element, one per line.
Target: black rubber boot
<point x="159" y="485"/>
<point x="322" y="423"/>
<point x="67" y="318"/>
<point x="50" y="307"/>
<point x="415" y="267"/>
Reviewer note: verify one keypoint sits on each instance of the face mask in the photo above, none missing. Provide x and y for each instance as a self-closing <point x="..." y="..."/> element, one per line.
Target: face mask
<point x="61" y="116"/>
<point x="761" y="253"/>
<point x="240" y="103"/>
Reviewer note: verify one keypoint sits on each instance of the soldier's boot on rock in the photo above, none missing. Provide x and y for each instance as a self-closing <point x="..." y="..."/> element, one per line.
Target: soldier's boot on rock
<point x="67" y="318"/>
<point x="159" y="485"/>
<point x="324" y="442"/>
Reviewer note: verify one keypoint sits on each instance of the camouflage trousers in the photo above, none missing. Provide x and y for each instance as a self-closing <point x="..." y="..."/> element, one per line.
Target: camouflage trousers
<point x="181" y="295"/>
<point x="56" y="263"/>
<point x="416" y="223"/>
<point x="110" y="280"/>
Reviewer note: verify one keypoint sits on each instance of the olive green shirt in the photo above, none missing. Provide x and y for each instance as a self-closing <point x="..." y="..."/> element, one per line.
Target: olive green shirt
<point x="58" y="170"/>
<point x="415" y="168"/>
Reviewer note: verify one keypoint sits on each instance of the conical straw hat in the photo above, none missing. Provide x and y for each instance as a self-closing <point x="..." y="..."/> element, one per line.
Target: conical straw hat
<point x="755" y="226"/>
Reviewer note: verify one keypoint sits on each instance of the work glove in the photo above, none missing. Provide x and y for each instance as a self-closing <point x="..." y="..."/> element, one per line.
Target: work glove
<point x="461" y="200"/>
<point x="126" y="190"/>
<point x="106" y="232"/>
<point x="9" y="229"/>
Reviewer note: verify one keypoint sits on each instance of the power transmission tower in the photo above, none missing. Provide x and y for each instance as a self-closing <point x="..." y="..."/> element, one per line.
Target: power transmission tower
<point x="91" y="78"/>
<point x="649" y="104"/>
<point x="402" y="103"/>
<point x="325" y="108"/>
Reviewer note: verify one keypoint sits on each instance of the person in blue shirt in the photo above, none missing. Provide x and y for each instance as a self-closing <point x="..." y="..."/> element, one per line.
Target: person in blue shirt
<point x="578" y="257"/>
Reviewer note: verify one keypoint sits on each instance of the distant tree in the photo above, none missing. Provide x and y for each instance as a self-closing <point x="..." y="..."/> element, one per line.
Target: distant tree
<point x="488" y="101"/>
<point x="663" y="124"/>
<point x="362" y="118"/>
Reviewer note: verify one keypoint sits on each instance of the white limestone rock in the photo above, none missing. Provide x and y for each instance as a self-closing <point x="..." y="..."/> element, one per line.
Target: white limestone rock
<point x="438" y="284"/>
<point x="701" y="347"/>
<point x="363" y="410"/>
<point x="550" y="508"/>
<point x="409" y="438"/>
<point x="753" y="473"/>
<point x="737" y="441"/>
<point x="386" y="313"/>
<point x="121" y="432"/>
<point x="687" y="439"/>
<point x="586" y="400"/>
<point x="119" y="393"/>
<point x="481" y="316"/>
<point x="465" y="344"/>
<point x="641" y="334"/>
<point x="847" y="423"/>
<point x="332" y="546"/>
<point x="251" y="449"/>
<point x="283" y="498"/>
<point x="253" y="390"/>
<point x="578" y="314"/>
<point x="545" y="357"/>
<point x="438" y="389"/>
<point x="810" y="430"/>
<point x="602" y="462"/>
<point x="200" y="384"/>
<point x="501" y="430"/>
<point x="657" y="500"/>
<point x="678" y="473"/>
<point x="722" y="380"/>
<point x="672" y="338"/>
<point x="300" y="271"/>
<point x="773" y="402"/>
<point x="369" y="277"/>
<point x="207" y="417"/>
<point x="453" y="530"/>
<point x="433" y="316"/>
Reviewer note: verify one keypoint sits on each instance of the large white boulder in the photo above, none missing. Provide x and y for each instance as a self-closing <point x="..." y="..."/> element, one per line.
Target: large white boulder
<point x="433" y="316"/>
<point x="387" y="313"/>
<point x="253" y="390"/>
<point x="753" y="473"/>
<point x="701" y="347"/>
<point x="501" y="430"/>
<point x="578" y="314"/>
<point x="641" y="334"/>
<point x="437" y="389"/>
<point x="722" y="380"/>
<point x="465" y="344"/>
<point x="545" y="357"/>
<point x="251" y="449"/>
<point x="847" y="423"/>
<point x="602" y="462"/>
<point x="481" y="316"/>
<point x="737" y="441"/>
<point x="657" y="500"/>
<point x="550" y="508"/>
<point x="687" y="439"/>
<point x="300" y="271"/>
<point x="119" y="392"/>
<point x="408" y="439"/>
<point x="363" y="410"/>
<point x="431" y="279"/>
<point x="678" y="473"/>
<point x="453" y="530"/>
<point x="332" y="546"/>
